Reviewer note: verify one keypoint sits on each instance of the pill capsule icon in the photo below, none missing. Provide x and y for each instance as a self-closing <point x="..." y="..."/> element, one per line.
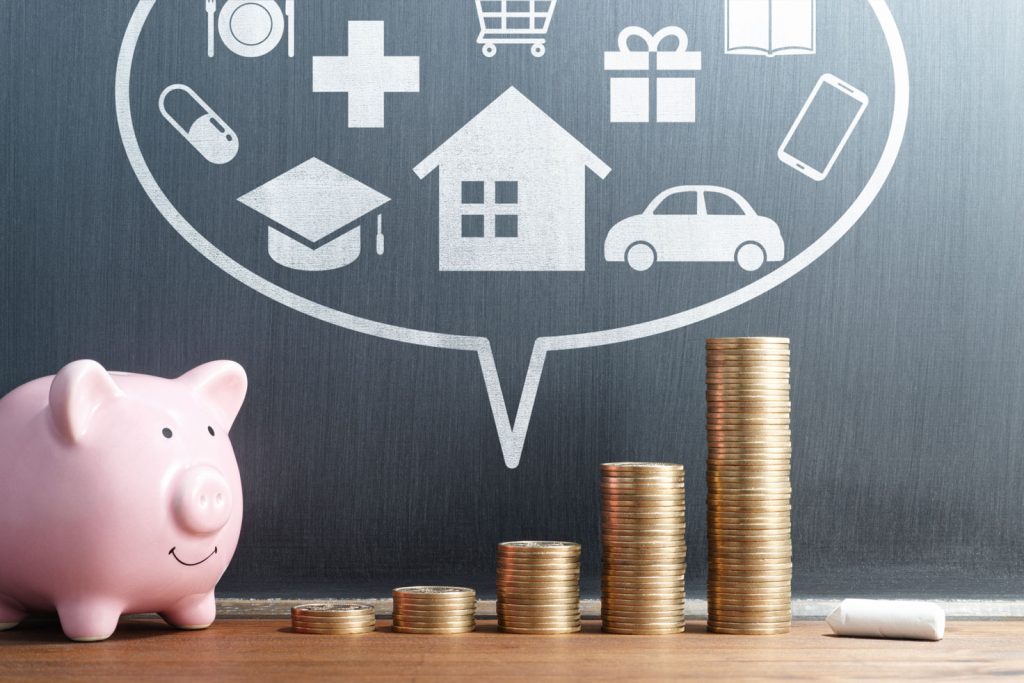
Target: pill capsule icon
<point x="208" y="133"/>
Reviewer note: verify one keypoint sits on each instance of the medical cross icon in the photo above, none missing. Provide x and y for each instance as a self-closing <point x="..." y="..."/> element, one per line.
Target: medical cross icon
<point x="366" y="74"/>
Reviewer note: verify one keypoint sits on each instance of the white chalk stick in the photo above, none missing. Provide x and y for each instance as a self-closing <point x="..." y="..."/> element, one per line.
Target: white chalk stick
<point x="910" y="619"/>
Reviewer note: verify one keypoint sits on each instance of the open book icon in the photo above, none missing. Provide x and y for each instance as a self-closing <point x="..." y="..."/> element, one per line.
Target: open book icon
<point x="770" y="27"/>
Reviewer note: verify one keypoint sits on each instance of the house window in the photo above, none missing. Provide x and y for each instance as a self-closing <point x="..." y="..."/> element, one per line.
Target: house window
<point x="506" y="225"/>
<point x="506" y="192"/>
<point x="472" y="225"/>
<point x="489" y="209"/>
<point x="472" y="192"/>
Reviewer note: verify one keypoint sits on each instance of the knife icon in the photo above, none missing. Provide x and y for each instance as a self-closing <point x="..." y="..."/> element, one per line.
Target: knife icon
<point x="289" y="11"/>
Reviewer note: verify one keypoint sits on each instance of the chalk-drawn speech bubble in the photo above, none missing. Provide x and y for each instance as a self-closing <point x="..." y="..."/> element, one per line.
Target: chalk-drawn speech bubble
<point x="512" y="432"/>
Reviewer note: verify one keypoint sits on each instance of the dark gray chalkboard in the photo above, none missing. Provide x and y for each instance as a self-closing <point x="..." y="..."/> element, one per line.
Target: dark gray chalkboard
<point x="370" y="463"/>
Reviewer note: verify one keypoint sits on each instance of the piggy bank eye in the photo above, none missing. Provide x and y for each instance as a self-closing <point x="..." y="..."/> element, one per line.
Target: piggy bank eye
<point x="167" y="433"/>
<point x="210" y="429"/>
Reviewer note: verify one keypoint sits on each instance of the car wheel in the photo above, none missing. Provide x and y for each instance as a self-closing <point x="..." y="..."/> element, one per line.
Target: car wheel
<point x="750" y="256"/>
<point x="640" y="256"/>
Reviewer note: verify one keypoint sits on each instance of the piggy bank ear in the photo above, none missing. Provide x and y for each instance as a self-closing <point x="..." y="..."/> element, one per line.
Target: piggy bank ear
<point x="222" y="383"/>
<point x="75" y="394"/>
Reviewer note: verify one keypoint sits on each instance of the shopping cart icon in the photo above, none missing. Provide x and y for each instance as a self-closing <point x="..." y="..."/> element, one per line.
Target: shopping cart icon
<point x="514" y="22"/>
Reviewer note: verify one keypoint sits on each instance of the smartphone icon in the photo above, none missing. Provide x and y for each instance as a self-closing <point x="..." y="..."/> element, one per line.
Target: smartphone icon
<point x="823" y="127"/>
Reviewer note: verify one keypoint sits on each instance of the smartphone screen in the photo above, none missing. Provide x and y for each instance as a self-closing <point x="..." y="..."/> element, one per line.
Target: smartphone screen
<point x="820" y="132"/>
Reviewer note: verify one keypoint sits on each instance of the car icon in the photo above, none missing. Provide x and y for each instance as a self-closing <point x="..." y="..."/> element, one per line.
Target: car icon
<point x="696" y="223"/>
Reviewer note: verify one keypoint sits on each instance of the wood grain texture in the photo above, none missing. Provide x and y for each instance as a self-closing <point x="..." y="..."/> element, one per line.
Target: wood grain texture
<point x="268" y="650"/>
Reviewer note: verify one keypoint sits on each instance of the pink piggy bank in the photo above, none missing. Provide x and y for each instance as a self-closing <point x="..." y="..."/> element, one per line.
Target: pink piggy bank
<point x="119" y="493"/>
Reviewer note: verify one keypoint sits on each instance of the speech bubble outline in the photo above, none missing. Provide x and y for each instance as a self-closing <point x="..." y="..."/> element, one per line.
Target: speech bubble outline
<point x="512" y="433"/>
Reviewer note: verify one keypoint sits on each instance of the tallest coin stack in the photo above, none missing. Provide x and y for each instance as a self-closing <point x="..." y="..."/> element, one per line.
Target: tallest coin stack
<point x="749" y="447"/>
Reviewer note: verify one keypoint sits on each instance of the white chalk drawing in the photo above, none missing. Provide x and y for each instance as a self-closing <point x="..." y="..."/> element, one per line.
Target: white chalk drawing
<point x="366" y="74"/>
<point x="211" y="11"/>
<point x="696" y="223"/>
<point x="208" y="133"/>
<point x="512" y="191"/>
<point x="250" y="28"/>
<point x="823" y="127"/>
<point x="675" y="95"/>
<point x="323" y="206"/>
<point x="515" y="22"/>
<point x="512" y="431"/>
<point x="289" y="12"/>
<point x="771" y="27"/>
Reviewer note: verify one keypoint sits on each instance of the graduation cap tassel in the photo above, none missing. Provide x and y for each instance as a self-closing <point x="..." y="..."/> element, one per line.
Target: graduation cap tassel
<point x="380" y="235"/>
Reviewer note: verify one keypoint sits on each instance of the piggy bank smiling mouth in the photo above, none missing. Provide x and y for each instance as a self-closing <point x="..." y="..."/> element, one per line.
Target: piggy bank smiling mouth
<point x="190" y="564"/>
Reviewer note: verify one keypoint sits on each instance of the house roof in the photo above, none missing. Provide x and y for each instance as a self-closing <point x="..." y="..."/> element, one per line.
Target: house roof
<point x="510" y="122"/>
<point x="314" y="199"/>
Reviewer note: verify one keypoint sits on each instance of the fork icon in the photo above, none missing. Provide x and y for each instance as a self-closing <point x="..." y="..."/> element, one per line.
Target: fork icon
<point x="211" y="9"/>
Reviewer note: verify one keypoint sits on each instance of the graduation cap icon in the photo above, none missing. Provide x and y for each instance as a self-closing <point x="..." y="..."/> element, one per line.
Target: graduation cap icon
<point x="319" y="211"/>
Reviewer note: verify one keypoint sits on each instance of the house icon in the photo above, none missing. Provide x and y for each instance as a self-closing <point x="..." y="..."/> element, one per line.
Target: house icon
<point x="512" y="191"/>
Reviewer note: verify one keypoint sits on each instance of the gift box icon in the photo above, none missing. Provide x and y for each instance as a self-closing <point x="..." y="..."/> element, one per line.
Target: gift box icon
<point x="674" y="93"/>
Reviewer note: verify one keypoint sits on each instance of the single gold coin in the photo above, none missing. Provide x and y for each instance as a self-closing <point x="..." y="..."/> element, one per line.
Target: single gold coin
<point x="627" y="504"/>
<point x="763" y="406"/>
<point x="643" y="631"/>
<point x="640" y="532"/>
<point x="568" y="598"/>
<point x="637" y="567"/>
<point x="625" y="596"/>
<point x="540" y="631"/>
<point x="749" y="588"/>
<point x="741" y="558"/>
<point x="434" y="592"/>
<point x="752" y="606"/>
<point x="717" y="342"/>
<point x="723" y="468"/>
<point x="435" y="615"/>
<point x="539" y="547"/>
<point x="551" y="576"/>
<point x="333" y="609"/>
<point x="333" y="631"/>
<point x="320" y="623"/>
<point x="638" y="607"/>
<point x="538" y="610"/>
<point x="662" y="617"/>
<point x="539" y="620"/>
<point x="649" y="553"/>
<point x="433" y="631"/>
<point x="429" y="607"/>
<point x="622" y="557"/>
<point x="735" y="620"/>
<point x="538" y="567"/>
<point x="641" y="466"/>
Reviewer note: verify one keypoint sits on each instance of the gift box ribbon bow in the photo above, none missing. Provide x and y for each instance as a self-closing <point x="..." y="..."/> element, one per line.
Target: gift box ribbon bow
<point x="627" y="59"/>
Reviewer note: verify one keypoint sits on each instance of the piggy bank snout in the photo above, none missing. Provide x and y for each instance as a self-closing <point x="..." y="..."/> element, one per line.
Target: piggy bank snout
<point x="202" y="500"/>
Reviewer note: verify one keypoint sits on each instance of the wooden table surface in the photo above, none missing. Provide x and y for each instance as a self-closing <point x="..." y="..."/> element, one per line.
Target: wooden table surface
<point x="268" y="650"/>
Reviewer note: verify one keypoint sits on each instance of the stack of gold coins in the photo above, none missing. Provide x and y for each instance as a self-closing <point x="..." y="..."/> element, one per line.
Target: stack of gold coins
<point x="433" y="609"/>
<point x="334" y="618"/>
<point x="643" y="534"/>
<point x="749" y="447"/>
<point x="539" y="587"/>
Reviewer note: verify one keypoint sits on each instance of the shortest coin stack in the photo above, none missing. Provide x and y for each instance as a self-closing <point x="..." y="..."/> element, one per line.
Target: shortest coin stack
<point x="539" y="587"/>
<point x="334" y="618"/>
<point x="434" y="609"/>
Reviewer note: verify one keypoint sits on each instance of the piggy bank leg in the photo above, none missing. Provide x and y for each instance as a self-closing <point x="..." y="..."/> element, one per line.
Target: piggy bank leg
<point x="192" y="613"/>
<point x="88" y="620"/>
<point x="10" y="616"/>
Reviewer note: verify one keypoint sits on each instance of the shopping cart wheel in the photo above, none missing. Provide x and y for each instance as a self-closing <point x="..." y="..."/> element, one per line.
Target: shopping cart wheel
<point x="490" y="49"/>
<point x="537" y="50"/>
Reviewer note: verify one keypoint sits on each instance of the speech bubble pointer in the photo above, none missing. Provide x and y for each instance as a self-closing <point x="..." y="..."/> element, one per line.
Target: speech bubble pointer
<point x="512" y="433"/>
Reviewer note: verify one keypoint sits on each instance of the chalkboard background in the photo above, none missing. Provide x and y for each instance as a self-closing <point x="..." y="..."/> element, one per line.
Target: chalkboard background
<point x="368" y="464"/>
